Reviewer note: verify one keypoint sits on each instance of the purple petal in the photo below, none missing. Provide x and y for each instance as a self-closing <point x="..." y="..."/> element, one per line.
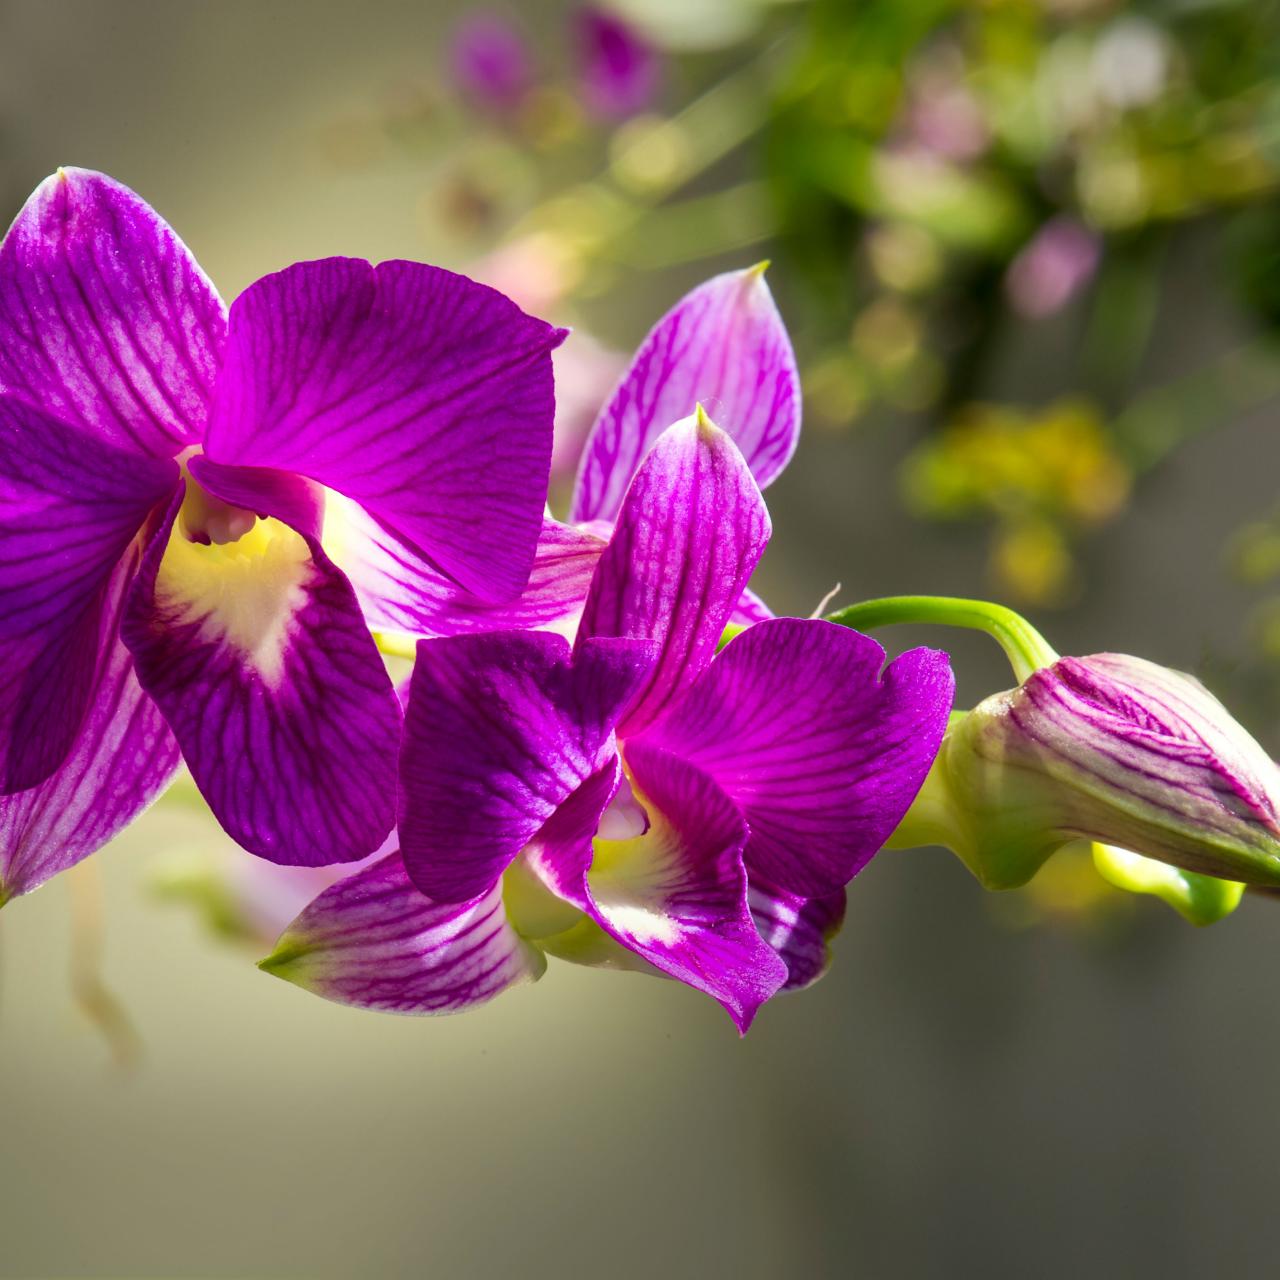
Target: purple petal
<point x="751" y="609"/>
<point x="398" y="593"/>
<point x="822" y="752"/>
<point x="374" y="941"/>
<point x="723" y="346"/>
<point x="619" y="69"/>
<point x="417" y="393"/>
<point x="71" y="505"/>
<point x="258" y="656"/>
<point x="500" y="730"/>
<point x="687" y="539"/>
<point x="677" y="894"/>
<point x="106" y="320"/>
<point x="798" y="929"/>
<point x="122" y="758"/>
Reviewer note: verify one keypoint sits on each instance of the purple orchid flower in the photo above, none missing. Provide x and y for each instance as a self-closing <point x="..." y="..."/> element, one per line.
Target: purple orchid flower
<point x="619" y="69"/>
<point x="640" y="800"/>
<point x="723" y="345"/>
<point x="165" y="469"/>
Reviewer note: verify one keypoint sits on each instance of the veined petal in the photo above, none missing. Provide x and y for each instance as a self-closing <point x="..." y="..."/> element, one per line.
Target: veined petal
<point x="106" y="320"/>
<point x="257" y="654"/>
<point x="821" y="751"/>
<point x="399" y="593"/>
<point x="723" y="346"/>
<point x="122" y="758"/>
<point x="500" y="730"/>
<point x="687" y="539"/>
<point x="71" y="505"/>
<point x="798" y="929"/>
<point x="676" y="895"/>
<point x="751" y="609"/>
<point x="419" y="394"/>
<point x="372" y="940"/>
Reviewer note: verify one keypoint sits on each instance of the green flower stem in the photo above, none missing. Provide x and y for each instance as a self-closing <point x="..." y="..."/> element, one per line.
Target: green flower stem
<point x="1027" y="650"/>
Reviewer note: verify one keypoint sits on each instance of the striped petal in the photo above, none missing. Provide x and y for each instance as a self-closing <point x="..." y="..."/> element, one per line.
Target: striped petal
<point x="821" y="751"/>
<point x="372" y="940"/>
<point x="71" y="505"/>
<point x="422" y="396"/>
<point x="723" y="346"/>
<point x="687" y="539"/>
<point x="751" y="609"/>
<point x="500" y="730"/>
<point x="106" y="320"/>
<point x="398" y="593"/>
<point x="798" y="929"/>
<point x="122" y="758"/>
<point x="676" y="894"/>
<point x="257" y="654"/>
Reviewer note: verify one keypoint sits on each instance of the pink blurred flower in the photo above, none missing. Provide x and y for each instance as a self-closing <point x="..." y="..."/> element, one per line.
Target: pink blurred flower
<point x="943" y="117"/>
<point x="1052" y="267"/>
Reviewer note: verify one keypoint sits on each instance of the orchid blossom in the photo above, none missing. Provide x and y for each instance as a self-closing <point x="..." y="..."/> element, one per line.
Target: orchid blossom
<point x="639" y="800"/>
<point x="176" y="480"/>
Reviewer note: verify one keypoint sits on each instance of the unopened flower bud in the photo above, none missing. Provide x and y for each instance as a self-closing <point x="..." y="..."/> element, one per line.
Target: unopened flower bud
<point x="1109" y="748"/>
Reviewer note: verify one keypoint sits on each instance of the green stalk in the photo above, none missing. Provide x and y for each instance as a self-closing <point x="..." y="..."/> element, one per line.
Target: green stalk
<point x="1027" y="650"/>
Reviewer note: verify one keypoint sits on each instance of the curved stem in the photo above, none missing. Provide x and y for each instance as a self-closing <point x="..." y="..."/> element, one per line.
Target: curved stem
<point x="1026" y="649"/>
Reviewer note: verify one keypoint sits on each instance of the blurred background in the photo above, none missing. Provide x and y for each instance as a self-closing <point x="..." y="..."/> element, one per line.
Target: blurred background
<point x="1029" y="251"/>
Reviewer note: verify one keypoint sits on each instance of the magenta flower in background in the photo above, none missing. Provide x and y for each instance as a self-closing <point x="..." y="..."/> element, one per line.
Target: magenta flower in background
<point x="167" y="470"/>
<point x="639" y="800"/>
<point x="1058" y="261"/>
<point x="490" y="61"/>
<point x="618" y="69"/>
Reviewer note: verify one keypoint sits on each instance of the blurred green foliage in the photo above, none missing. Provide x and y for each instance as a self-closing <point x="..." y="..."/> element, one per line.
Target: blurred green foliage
<point x="935" y="180"/>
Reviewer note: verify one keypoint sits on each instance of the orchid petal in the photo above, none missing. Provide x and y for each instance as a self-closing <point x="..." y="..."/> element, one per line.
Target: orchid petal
<point x="398" y="593"/>
<point x="677" y="894"/>
<point x="798" y="929"/>
<point x="258" y="656"/>
<point x="686" y="541"/>
<point x="822" y="752"/>
<point x="723" y="346"/>
<point x="417" y="393"/>
<point x="122" y="758"/>
<point x="106" y="320"/>
<point x="751" y="609"/>
<point x="372" y="940"/>
<point x="500" y="730"/>
<point x="71" y="505"/>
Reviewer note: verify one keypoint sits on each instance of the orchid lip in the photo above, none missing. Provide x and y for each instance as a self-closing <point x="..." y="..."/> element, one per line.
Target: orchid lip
<point x="205" y="518"/>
